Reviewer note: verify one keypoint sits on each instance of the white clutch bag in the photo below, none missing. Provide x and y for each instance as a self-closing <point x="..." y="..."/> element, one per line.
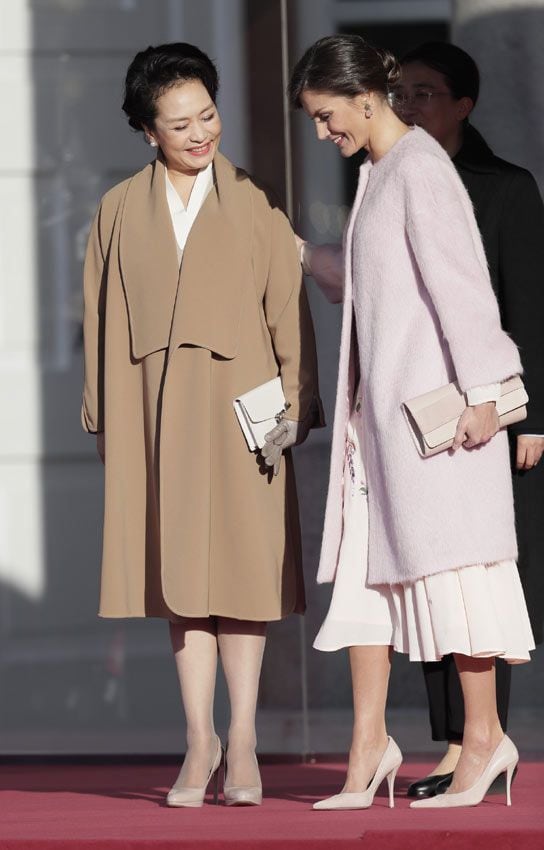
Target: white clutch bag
<point x="433" y="416"/>
<point x="259" y="410"/>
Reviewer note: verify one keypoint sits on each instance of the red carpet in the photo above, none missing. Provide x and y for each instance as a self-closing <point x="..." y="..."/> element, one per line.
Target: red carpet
<point x="61" y="807"/>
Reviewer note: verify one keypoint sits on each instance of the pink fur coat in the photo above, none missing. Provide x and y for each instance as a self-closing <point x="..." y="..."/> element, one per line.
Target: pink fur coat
<point x="416" y="282"/>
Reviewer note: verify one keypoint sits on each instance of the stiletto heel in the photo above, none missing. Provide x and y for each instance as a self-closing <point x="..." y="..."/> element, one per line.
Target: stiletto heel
<point x="216" y="777"/>
<point x="387" y="769"/>
<point x="391" y="785"/>
<point x="505" y="758"/>
<point x="181" y="796"/>
<point x="509" y="776"/>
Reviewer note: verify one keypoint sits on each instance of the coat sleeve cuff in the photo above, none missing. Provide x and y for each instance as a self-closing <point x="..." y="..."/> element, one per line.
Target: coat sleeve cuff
<point x="297" y="412"/>
<point x="88" y="423"/>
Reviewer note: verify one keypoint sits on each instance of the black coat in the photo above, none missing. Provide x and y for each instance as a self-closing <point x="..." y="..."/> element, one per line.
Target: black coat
<point x="510" y="215"/>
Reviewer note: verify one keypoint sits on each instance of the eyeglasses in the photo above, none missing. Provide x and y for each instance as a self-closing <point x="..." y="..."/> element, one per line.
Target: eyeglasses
<point x="419" y="99"/>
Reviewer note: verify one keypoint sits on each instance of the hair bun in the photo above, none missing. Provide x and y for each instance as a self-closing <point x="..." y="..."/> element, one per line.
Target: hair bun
<point x="344" y="65"/>
<point x="391" y="66"/>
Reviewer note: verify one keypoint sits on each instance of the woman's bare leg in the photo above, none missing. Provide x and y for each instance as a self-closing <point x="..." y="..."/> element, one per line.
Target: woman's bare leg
<point x="482" y="733"/>
<point x="241" y="646"/>
<point x="194" y="642"/>
<point x="370" y="669"/>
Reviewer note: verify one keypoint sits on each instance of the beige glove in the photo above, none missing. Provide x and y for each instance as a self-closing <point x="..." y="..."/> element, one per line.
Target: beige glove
<point x="287" y="433"/>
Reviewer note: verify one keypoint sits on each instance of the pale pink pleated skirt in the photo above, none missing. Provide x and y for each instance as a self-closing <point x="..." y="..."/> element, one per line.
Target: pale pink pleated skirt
<point x="478" y="610"/>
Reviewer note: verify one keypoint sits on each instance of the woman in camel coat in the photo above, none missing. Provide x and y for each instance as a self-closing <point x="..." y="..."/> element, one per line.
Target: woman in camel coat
<point x="193" y="296"/>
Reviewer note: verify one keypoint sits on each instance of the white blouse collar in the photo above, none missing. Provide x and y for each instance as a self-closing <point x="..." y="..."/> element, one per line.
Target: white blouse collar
<point x="184" y="218"/>
<point x="199" y="192"/>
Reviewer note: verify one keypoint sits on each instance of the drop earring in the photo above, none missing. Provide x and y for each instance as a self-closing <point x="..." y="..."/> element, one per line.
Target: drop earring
<point x="368" y="110"/>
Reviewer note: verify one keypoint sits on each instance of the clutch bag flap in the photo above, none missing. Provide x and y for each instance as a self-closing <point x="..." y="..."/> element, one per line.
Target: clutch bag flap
<point x="259" y="410"/>
<point x="433" y="416"/>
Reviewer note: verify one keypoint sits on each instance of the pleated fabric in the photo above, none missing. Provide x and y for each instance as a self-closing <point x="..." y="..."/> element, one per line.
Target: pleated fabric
<point x="478" y="611"/>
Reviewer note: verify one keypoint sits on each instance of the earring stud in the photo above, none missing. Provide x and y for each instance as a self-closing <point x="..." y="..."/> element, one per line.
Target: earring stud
<point x="151" y="142"/>
<point x="368" y="110"/>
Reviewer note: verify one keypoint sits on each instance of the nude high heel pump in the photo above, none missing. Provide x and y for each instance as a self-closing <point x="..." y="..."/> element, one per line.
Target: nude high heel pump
<point x="387" y="769"/>
<point x="503" y="760"/>
<point x="242" y="795"/>
<point x="182" y="797"/>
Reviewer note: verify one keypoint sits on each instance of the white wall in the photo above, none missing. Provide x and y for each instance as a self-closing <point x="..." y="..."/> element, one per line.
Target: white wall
<point x="505" y="37"/>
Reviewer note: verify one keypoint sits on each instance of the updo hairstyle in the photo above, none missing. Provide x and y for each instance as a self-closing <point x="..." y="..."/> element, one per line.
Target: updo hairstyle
<point x="155" y="70"/>
<point x="344" y="65"/>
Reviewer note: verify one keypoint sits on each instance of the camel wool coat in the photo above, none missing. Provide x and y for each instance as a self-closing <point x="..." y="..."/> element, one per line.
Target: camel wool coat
<point x="417" y="284"/>
<point x="193" y="526"/>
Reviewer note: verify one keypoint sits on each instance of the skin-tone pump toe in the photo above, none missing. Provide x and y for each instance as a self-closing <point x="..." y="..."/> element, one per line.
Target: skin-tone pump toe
<point x="387" y="769"/>
<point x="503" y="760"/>
<point x="243" y="795"/>
<point x="182" y="797"/>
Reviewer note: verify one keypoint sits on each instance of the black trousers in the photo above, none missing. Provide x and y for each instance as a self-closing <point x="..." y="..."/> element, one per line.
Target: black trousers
<point x="529" y="507"/>
<point x="441" y="679"/>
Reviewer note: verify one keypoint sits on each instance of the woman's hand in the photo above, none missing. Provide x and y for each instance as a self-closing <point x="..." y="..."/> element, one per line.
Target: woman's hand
<point x="101" y="446"/>
<point x="280" y="438"/>
<point x="300" y="244"/>
<point x="476" y="426"/>
<point x="529" y="451"/>
<point x="287" y="433"/>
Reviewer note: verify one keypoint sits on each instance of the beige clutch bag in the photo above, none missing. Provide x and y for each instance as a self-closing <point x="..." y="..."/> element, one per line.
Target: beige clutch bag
<point x="433" y="417"/>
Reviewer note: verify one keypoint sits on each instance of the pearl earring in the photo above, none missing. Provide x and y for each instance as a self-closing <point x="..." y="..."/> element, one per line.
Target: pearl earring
<point x="151" y="142"/>
<point x="368" y="110"/>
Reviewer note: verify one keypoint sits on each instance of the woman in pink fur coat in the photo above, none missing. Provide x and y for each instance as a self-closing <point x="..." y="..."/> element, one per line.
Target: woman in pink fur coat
<point x="422" y="550"/>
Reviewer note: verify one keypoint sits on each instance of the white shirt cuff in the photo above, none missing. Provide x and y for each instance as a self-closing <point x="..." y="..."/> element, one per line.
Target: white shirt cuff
<point x="480" y="395"/>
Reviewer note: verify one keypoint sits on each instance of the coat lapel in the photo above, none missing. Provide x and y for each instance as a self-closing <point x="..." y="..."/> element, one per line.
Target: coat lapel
<point x="216" y="266"/>
<point x="148" y="260"/>
<point x="200" y="303"/>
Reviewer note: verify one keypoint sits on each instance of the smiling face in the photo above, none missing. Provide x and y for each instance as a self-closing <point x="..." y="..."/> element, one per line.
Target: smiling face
<point x="338" y="119"/>
<point x="187" y="127"/>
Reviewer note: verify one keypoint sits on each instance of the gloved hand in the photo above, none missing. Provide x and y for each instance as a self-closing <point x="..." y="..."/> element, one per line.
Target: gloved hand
<point x="287" y="433"/>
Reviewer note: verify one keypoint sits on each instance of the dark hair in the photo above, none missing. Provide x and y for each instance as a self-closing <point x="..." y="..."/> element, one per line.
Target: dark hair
<point x="157" y="69"/>
<point x="343" y="65"/>
<point x="457" y="67"/>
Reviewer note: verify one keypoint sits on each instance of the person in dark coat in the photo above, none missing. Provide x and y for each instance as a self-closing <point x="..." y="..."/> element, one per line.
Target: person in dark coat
<point x="438" y="91"/>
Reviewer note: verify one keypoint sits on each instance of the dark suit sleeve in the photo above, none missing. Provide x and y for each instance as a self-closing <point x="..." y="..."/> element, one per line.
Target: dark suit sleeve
<point x="521" y="283"/>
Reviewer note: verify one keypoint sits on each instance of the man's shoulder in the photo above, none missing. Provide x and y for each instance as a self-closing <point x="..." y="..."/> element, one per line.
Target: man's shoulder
<point x="516" y="176"/>
<point x="505" y="172"/>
